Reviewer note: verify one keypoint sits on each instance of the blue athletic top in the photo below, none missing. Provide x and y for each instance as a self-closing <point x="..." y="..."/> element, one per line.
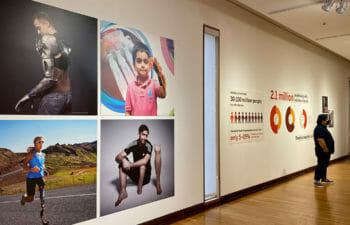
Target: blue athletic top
<point x="39" y="161"/>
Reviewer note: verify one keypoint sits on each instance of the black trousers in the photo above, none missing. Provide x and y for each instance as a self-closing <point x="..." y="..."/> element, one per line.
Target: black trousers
<point x="134" y="174"/>
<point x="322" y="164"/>
<point x="32" y="182"/>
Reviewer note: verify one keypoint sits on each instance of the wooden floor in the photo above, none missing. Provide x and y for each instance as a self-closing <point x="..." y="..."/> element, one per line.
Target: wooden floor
<point x="296" y="201"/>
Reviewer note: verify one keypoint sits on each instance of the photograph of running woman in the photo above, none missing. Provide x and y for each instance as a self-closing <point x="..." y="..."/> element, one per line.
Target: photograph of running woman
<point x="138" y="163"/>
<point x="34" y="163"/>
<point x="47" y="171"/>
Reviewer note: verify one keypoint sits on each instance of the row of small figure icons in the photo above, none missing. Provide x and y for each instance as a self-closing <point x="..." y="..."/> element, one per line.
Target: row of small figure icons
<point x="246" y="117"/>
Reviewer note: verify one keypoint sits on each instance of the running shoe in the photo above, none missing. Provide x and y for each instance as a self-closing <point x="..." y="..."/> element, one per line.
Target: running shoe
<point x="326" y="181"/>
<point x="318" y="184"/>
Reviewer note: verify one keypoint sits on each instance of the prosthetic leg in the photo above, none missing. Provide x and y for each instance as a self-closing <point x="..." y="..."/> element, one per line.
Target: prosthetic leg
<point x="42" y="203"/>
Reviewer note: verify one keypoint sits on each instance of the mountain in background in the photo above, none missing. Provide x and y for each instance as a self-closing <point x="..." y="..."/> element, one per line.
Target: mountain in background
<point x="8" y="161"/>
<point x="87" y="144"/>
<point x="57" y="157"/>
<point x="64" y="157"/>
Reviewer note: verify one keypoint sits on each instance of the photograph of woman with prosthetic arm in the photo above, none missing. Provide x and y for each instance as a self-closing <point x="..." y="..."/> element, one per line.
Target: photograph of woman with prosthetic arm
<point x="54" y="89"/>
<point x="50" y="63"/>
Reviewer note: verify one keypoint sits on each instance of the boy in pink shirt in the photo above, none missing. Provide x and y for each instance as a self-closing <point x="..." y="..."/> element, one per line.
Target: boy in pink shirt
<point x="141" y="95"/>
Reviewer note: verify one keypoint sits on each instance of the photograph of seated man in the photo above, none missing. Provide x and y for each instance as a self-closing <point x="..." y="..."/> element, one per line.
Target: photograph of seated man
<point x="140" y="170"/>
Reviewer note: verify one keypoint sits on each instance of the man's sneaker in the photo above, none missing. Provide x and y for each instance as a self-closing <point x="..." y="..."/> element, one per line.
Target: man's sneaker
<point x="318" y="184"/>
<point x="326" y="181"/>
<point x="23" y="200"/>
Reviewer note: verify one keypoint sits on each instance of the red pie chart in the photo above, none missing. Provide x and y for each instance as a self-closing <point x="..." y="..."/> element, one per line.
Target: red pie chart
<point x="275" y="119"/>
<point x="290" y="124"/>
<point x="303" y="119"/>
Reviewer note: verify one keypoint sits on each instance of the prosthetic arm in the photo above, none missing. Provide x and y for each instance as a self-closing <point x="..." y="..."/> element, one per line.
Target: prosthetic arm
<point x="47" y="48"/>
<point x="158" y="69"/>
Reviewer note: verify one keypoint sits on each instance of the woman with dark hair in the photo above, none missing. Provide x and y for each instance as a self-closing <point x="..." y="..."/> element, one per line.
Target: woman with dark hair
<point x="324" y="147"/>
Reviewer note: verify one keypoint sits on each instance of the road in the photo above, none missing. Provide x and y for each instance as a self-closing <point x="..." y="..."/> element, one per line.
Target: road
<point x="12" y="172"/>
<point x="64" y="206"/>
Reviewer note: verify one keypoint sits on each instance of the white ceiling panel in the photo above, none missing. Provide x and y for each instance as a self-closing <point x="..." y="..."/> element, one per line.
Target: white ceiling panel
<point x="305" y="17"/>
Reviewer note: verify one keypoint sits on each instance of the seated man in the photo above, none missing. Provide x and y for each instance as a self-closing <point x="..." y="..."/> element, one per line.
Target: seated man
<point x="140" y="170"/>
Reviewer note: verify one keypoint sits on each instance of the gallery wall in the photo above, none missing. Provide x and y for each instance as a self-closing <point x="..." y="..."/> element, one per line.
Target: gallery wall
<point x="261" y="58"/>
<point x="255" y="57"/>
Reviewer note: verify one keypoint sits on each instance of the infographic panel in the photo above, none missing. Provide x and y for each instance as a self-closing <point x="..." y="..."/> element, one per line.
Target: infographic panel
<point x="245" y="118"/>
<point x="290" y="113"/>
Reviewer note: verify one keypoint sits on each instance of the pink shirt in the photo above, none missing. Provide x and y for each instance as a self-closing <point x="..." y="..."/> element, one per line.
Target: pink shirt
<point x="141" y="99"/>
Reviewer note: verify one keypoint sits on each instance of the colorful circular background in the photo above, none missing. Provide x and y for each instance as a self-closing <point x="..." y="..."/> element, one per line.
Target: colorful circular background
<point x="290" y="126"/>
<point x="108" y="99"/>
<point x="275" y="111"/>
<point x="303" y="119"/>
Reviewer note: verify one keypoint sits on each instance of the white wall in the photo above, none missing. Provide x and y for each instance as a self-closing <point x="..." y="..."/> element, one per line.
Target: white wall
<point x="255" y="55"/>
<point x="258" y="56"/>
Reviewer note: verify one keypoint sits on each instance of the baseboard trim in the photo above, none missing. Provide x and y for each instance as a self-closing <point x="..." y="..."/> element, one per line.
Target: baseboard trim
<point x="190" y="211"/>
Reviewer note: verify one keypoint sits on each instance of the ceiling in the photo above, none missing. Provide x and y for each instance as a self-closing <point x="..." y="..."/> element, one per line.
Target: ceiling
<point x="306" y="18"/>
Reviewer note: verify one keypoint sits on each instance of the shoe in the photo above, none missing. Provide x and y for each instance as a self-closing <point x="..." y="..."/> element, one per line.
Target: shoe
<point x="43" y="218"/>
<point x="326" y="181"/>
<point x="317" y="184"/>
<point x="23" y="200"/>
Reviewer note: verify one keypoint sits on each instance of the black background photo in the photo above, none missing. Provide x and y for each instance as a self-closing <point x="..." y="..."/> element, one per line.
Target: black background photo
<point x="21" y="65"/>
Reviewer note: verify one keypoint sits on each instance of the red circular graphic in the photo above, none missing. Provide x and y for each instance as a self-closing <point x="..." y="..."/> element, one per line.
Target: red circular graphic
<point x="305" y="118"/>
<point x="290" y="126"/>
<point x="275" y="127"/>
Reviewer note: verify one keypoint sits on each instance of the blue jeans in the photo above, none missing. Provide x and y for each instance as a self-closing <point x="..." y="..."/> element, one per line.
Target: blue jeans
<point x="56" y="103"/>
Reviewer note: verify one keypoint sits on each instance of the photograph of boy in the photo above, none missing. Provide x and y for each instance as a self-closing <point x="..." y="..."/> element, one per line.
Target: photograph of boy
<point x="142" y="170"/>
<point x="142" y="94"/>
<point x="56" y="159"/>
<point x="137" y="72"/>
<point x="49" y="69"/>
